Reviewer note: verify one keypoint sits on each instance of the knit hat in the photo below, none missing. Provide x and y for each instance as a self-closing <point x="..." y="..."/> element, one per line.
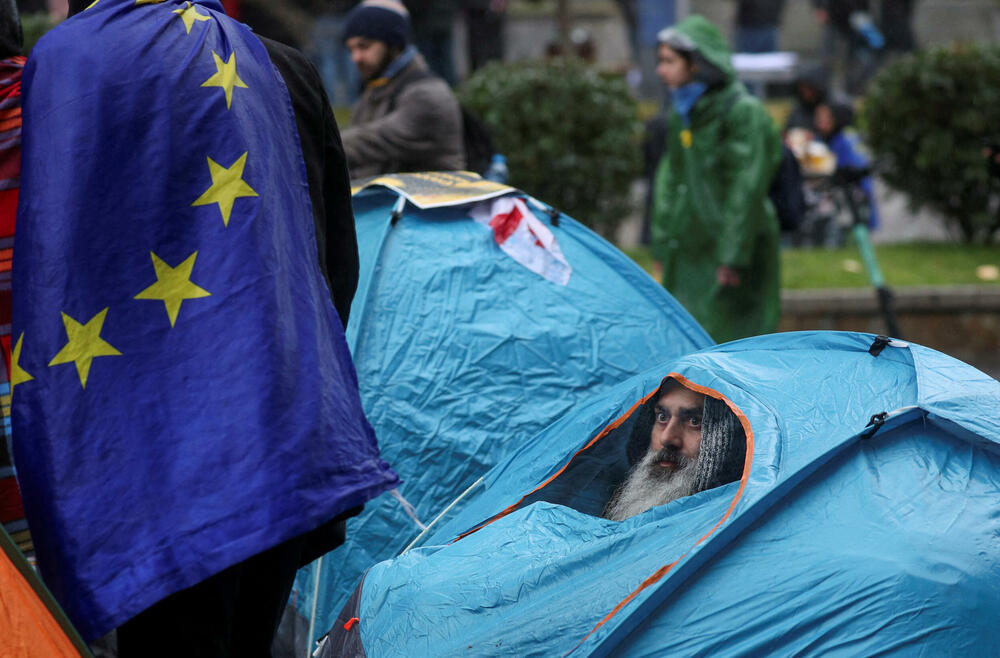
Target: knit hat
<point x="723" y="442"/>
<point x="387" y="21"/>
<point x="723" y="447"/>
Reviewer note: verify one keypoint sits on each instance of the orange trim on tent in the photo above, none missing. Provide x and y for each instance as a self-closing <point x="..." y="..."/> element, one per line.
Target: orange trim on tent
<point x="663" y="571"/>
<point x="28" y="627"/>
<point x="616" y="423"/>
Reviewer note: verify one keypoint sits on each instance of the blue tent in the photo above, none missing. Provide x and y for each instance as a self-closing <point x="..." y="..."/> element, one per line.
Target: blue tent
<point x="463" y="353"/>
<point x="850" y="532"/>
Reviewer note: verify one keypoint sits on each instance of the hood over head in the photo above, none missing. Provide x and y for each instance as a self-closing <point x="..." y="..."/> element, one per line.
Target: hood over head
<point x="814" y="77"/>
<point x="698" y="36"/>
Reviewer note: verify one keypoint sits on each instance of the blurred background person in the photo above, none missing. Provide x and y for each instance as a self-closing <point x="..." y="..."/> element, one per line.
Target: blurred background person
<point x="484" y="19"/>
<point x="896" y="23"/>
<point x="757" y="24"/>
<point x="715" y="232"/>
<point x="756" y="31"/>
<point x="433" y="26"/>
<point x="407" y="118"/>
<point x="643" y="20"/>
<point x="832" y="123"/>
<point x="810" y="90"/>
<point x="853" y="43"/>
<point x="340" y="76"/>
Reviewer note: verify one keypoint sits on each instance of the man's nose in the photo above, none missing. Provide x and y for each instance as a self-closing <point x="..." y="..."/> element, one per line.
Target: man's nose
<point x="670" y="435"/>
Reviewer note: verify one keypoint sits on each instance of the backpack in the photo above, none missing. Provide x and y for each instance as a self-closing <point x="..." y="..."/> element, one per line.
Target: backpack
<point x="478" y="141"/>
<point x="476" y="137"/>
<point x="786" y="192"/>
<point x="786" y="187"/>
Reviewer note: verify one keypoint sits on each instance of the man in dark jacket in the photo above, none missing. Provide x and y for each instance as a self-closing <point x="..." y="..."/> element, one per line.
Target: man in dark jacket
<point x="233" y="606"/>
<point x="407" y="118"/>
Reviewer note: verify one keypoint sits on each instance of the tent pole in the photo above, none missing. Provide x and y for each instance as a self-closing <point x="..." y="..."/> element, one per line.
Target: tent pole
<point x="441" y="515"/>
<point x="315" y="601"/>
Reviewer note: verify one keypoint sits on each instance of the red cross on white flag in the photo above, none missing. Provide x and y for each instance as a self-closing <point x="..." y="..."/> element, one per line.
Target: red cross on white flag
<point x="523" y="237"/>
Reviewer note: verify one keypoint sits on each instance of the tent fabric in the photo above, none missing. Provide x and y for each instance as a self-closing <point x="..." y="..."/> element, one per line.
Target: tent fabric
<point x="846" y="535"/>
<point x="463" y="354"/>
<point x="31" y="623"/>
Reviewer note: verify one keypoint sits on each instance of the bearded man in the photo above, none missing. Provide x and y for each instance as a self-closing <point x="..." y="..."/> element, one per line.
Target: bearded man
<point x="683" y="442"/>
<point x="407" y="118"/>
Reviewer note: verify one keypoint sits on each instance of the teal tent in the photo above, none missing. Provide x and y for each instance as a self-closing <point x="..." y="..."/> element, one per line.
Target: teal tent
<point x="466" y="348"/>
<point x="865" y="523"/>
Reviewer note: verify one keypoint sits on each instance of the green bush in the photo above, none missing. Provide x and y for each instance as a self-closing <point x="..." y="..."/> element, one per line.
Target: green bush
<point x="929" y="117"/>
<point x="570" y="134"/>
<point x="34" y="26"/>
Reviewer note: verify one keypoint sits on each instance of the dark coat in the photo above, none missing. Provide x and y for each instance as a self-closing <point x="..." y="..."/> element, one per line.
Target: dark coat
<point x="411" y="123"/>
<point x="326" y="168"/>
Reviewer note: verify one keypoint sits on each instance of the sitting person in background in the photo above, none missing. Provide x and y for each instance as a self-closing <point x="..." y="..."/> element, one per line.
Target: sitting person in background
<point x="407" y="118"/>
<point x="832" y="121"/>
<point x="683" y="442"/>
<point x="810" y="90"/>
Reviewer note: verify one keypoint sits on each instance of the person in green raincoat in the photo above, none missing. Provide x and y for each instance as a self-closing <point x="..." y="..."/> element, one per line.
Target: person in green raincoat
<point x="714" y="229"/>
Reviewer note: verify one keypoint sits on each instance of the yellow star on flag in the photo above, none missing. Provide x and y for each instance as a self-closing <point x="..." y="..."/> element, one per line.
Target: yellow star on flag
<point x="227" y="186"/>
<point x="17" y="374"/>
<point x="173" y="285"/>
<point x="225" y="76"/>
<point x="148" y="2"/>
<point x="189" y="15"/>
<point x="85" y="344"/>
<point x="91" y="5"/>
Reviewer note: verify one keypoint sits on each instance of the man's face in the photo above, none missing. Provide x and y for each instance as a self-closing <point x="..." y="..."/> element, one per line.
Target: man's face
<point x="676" y="433"/>
<point x="672" y="68"/>
<point x="667" y="470"/>
<point x="370" y="56"/>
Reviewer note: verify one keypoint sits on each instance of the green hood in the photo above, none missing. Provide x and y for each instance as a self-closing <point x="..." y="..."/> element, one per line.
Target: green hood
<point x="710" y="43"/>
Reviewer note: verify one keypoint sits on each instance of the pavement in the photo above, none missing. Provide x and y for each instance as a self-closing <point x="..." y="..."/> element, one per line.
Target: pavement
<point x="898" y="222"/>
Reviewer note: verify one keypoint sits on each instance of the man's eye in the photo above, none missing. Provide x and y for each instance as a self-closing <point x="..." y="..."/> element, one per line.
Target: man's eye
<point x="661" y="417"/>
<point x="695" y="421"/>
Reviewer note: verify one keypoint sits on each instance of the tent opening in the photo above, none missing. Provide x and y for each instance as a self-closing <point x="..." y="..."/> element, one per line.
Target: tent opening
<point x="599" y="472"/>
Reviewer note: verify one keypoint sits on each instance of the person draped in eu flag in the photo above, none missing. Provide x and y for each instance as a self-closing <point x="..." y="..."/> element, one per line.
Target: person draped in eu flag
<point x="186" y="421"/>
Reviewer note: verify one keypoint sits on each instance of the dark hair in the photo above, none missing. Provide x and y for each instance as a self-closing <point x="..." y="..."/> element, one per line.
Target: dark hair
<point x="686" y="55"/>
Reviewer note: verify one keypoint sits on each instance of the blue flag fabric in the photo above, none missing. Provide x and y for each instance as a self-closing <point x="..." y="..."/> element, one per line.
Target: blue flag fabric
<point x="184" y="397"/>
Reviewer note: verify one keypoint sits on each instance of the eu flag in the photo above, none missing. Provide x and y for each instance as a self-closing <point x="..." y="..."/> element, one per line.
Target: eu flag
<point x="183" y="394"/>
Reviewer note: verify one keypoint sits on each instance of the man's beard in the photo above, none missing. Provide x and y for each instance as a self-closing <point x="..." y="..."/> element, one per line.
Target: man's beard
<point x="649" y="484"/>
<point x="380" y="68"/>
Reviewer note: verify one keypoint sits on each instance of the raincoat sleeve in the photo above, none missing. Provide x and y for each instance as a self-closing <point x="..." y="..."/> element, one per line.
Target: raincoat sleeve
<point x="750" y="153"/>
<point x="662" y="184"/>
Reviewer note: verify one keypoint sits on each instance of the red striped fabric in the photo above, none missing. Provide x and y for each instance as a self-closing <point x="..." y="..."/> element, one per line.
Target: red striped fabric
<point x="11" y="510"/>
